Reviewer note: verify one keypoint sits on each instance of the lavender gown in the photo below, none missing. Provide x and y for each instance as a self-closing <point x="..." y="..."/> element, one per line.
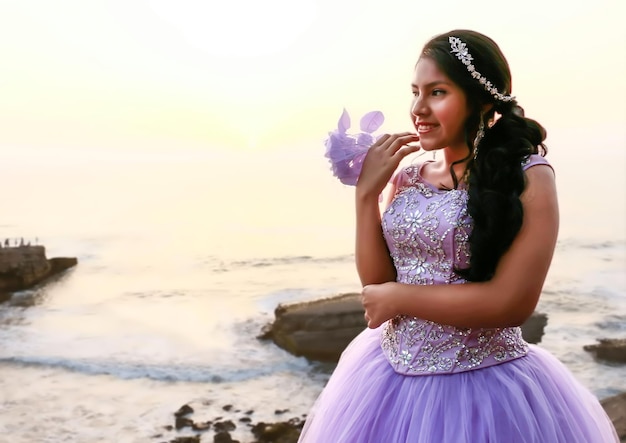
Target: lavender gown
<point x="416" y="381"/>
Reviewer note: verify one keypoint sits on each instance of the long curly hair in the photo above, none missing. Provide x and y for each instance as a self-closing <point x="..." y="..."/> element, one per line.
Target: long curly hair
<point x="494" y="175"/>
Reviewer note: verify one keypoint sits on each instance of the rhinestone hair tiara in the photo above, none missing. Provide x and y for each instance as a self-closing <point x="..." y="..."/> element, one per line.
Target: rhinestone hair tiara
<point x="459" y="48"/>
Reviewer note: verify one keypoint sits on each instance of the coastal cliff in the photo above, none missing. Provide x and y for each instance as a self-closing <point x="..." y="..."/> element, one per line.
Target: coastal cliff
<point x="24" y="266"/>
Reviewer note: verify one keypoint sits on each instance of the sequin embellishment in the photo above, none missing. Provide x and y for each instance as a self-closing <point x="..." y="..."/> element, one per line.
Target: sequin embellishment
<point x="427" y="231"/>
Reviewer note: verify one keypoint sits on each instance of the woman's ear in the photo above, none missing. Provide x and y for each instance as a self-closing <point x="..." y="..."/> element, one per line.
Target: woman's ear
<point x="488" y="111"/>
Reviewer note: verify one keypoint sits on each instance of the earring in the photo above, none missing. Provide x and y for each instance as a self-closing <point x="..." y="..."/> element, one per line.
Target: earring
<point x="479" y="135"/>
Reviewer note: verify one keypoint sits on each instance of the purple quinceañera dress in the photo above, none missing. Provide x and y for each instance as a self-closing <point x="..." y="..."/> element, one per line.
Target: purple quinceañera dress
<point x="415" y="381"/>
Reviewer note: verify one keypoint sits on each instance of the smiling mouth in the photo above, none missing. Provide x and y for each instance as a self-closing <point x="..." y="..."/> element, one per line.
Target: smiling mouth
<point x="424" y="128"/>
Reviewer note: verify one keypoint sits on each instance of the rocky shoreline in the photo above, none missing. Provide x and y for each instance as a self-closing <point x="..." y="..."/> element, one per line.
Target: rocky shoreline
<point x="221" y="427"/>
<point x="320" y="330"/>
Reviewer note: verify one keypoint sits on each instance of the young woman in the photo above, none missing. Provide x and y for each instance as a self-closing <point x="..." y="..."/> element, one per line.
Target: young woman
<point x="451" y="269"/>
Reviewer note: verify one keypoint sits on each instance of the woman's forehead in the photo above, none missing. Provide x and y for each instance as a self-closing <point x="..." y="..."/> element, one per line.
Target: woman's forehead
<point x="426" y="70"/>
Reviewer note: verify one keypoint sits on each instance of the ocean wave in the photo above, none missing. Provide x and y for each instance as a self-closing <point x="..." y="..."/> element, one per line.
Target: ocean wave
<point x="263" y="262"/>
<point x="159" y="372"/>
<point x="588" y="244"/>
<point x="615" y="322"/>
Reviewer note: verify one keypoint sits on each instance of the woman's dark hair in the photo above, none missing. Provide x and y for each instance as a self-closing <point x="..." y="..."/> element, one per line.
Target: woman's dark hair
<point x="494" y="174"/>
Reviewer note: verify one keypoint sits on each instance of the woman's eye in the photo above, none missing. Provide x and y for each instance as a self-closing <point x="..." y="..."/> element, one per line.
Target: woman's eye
<point x="438" y="92"/>
<point x="415" y="93"/>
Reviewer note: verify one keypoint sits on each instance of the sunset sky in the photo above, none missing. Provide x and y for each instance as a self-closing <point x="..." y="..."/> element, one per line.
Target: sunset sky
<point x="246" y="74"/>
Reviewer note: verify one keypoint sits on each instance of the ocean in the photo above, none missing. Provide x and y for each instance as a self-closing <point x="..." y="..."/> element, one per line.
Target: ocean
<point x="183" y="256"/>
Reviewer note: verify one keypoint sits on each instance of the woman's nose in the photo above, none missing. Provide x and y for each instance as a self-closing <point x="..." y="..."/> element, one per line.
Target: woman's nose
<point x="417" y="107"/>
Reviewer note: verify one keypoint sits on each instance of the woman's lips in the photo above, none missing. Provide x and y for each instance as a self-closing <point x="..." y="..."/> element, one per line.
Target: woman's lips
<point x="423" y="128"/>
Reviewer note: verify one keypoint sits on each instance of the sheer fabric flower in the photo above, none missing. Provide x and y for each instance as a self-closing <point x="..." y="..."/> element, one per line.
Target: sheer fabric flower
<point x="346" y="152"/>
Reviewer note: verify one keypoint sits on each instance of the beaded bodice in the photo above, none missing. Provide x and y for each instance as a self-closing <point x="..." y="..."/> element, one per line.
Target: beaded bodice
<point x="427" y="233"/>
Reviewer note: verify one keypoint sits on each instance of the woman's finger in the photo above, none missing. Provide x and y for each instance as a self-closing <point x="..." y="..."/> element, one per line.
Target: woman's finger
<point x="402" y="141"/>
<point x="405" y="150"/>
<point x="381" y="141"/>
<point x="396" y="140"/>
<point x="385" y="141"/>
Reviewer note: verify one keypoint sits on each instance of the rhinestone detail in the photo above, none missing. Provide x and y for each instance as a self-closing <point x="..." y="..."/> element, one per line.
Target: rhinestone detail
<point x="427" y="231"/>
<point x="459" y="48"/>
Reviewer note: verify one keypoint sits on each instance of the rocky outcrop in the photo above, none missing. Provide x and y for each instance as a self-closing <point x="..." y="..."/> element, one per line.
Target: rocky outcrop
<point x="286" y="431"/>
<point x="615" y="407"/>
<point x="23" y="267"/>
<point x="321" y="329"/>
<point x="609" y="349"/>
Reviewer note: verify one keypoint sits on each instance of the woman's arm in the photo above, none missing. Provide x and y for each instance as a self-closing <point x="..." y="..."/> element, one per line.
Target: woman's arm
<point x="509" y="298"/>
<point x="373" y="262"/>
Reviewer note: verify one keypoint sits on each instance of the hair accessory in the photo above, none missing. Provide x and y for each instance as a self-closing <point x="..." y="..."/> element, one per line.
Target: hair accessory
<point x="459" y="48"/>
<point x="346" y="152"/>
<point x="479" y="135"/>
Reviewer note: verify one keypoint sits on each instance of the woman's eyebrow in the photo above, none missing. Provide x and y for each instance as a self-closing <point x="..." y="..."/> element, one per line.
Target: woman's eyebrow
<point x="431" y="84"/>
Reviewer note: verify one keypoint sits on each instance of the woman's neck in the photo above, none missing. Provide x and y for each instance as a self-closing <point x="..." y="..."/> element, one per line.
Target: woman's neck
<point x="458" y="157"/>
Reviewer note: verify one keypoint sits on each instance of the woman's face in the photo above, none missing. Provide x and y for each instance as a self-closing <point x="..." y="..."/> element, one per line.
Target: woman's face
<point x="439" y="108"/>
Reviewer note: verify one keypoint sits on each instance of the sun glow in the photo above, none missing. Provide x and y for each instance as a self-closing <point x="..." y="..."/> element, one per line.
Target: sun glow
<point x="249" y="74"/>
<point x="233" y="28"/>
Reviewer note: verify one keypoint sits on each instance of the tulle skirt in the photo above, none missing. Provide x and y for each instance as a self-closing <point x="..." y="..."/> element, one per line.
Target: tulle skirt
<point x="533" y="399"/>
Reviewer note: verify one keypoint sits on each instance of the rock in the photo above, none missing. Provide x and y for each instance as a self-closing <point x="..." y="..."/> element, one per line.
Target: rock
<point x="321" y="329"/>
<point x="318" y="330"/>
<point x="609" y="349"/>
<point x="193" y="439"/>
<point x="224" y="426"/>
<point x="223" y="437"/>
<point x="202" y="426"/>
<point x="183" y="410"/>
<point x="281" y="432"/>
<point x="60" y="264"/>
<point x="23" y="267"/>
<point x="182" y="422"/>
<point x="534" y="327"/>
<point x="615" y="407"/>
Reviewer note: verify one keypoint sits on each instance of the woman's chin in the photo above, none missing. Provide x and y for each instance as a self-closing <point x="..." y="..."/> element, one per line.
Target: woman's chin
<point x="427" y="147"/>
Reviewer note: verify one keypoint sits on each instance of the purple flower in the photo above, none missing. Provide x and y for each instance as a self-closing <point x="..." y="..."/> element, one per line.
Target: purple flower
<point x="346" y="152"/>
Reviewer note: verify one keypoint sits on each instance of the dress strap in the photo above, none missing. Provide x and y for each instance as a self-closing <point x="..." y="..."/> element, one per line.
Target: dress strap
<point x="409" y="175"/>
<point x="535" y="160"/>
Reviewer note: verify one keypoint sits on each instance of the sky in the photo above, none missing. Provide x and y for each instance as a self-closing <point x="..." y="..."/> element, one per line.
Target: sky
<point x="247" y="74"/>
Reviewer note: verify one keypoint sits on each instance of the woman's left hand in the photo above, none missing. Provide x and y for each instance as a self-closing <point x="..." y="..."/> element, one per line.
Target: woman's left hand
<point x="378" y="301"/>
